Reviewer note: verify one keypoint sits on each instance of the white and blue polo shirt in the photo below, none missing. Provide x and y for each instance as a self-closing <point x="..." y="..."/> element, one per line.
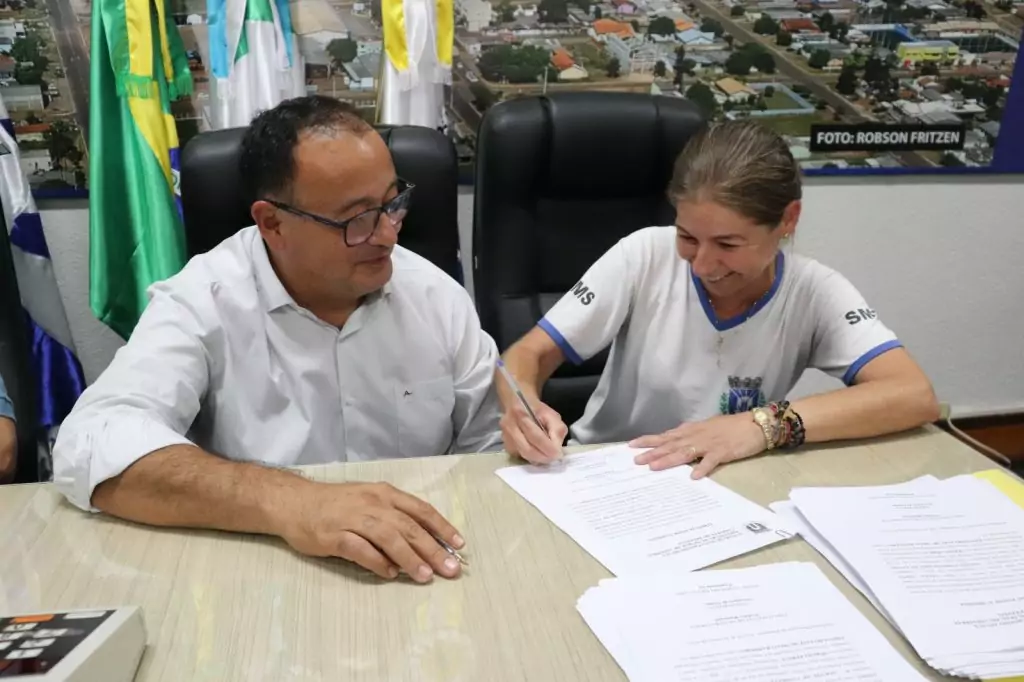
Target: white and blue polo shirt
<point x="672" y="361"/>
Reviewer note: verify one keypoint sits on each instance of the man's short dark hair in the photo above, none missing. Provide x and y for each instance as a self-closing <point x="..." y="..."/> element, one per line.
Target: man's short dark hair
<point x="267" y="160"/>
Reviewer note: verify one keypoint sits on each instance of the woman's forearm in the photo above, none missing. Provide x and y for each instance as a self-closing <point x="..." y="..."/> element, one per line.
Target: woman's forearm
<point x="531" y="360"/>
<point x="872" y="408"/>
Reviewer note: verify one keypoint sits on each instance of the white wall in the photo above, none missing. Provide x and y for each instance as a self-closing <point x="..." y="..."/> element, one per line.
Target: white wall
<point x="941" y="261"/>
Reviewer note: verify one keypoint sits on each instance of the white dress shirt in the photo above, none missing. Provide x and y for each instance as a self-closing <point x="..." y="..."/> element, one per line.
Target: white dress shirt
<point x="224" y="354"/>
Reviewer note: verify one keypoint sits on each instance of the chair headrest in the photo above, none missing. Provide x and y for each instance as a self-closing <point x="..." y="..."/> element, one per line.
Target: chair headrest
<point x="561" y="178"/>
<point x="586" y="145"/>
<point x="213" y="198"/>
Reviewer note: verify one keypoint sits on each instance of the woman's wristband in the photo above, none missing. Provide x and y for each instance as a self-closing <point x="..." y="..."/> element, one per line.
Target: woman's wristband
<point x="789" y="431"/>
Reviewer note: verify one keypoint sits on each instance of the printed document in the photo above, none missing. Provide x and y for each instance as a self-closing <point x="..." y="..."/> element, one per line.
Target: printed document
<point x="944" y="559"/>
<point x="632" y="519"/>
<point x="790" y="514"/>
<point x="773" y="623"/>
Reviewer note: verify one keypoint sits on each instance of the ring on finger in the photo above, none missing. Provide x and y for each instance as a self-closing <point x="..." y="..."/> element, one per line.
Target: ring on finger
<point x="691" y="452"/>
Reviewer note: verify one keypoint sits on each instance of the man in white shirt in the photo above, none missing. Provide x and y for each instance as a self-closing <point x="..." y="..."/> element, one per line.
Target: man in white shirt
<point x="310" y="337"/>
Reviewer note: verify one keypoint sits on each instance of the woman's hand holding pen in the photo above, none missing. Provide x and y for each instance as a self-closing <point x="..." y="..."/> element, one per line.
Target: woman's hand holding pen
<point x="529" y="428"/>
<point x="539" y="444"/>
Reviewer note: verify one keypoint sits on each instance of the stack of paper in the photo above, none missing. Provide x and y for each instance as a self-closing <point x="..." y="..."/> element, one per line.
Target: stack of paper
<point x="632" y="519"/>
<point x="942" y="560"/>
<point x="767" y="623"/>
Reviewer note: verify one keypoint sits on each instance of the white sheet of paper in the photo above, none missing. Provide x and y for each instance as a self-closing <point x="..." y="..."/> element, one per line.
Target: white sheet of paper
<point x="778" y="622"/>
<point x="632" y="519"/>
<point x="790" y="514"/>
<point x="945" y="559"/>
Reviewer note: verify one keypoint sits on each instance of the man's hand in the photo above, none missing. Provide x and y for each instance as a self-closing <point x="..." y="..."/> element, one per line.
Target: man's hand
<point x="522" y="436"/>
<point x="8" y="449"/>
<point x="371" y="524"/>
<point x="715" y="441"/>
<point x="374" y="525"/>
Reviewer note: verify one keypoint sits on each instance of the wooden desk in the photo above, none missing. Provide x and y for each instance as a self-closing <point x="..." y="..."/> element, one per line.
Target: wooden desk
<point x="223" y="607"/>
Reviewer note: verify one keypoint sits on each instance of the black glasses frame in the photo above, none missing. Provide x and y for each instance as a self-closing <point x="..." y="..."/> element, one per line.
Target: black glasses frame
<point x="400" y="202"/>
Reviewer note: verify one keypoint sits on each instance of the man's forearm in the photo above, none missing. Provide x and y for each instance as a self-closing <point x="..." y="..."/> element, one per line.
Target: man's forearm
<point x="184" y="486"/>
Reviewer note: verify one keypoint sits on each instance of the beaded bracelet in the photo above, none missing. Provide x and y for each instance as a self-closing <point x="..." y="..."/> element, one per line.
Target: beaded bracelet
<point x="789" y="431"/>
<point x="797" y="434"/>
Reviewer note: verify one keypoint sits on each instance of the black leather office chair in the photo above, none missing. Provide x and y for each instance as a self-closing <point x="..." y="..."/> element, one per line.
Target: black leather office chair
<point x="16" y="365"/>
<point x="559" y="180"/>
<point x="215" y="206"/>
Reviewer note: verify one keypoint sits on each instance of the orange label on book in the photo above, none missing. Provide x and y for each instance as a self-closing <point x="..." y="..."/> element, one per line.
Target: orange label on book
<point x="33" y="619"/>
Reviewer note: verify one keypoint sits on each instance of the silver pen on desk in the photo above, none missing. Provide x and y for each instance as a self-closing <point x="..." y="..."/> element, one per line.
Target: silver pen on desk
<point x="451" y="550"/>
<point x="522" y="398"/>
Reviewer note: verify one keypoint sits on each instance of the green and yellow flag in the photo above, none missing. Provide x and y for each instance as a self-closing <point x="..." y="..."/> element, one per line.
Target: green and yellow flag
<point x="135" y="230"/>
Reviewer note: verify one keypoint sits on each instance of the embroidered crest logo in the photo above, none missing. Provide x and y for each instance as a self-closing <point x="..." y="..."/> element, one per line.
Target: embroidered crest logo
<point x="743" y="395"/>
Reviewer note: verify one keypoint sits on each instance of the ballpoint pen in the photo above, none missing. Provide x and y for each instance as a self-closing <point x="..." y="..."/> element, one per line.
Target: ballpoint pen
<point x="451" y="550"/>
<point x="519" y="394"/>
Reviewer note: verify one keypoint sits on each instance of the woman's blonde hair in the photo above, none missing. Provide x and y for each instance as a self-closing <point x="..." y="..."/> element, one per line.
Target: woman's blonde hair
<point x="740" y="165"/>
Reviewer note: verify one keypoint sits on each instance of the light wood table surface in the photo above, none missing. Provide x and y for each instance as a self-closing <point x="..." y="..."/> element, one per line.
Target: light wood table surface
<point x="224" y="607"/>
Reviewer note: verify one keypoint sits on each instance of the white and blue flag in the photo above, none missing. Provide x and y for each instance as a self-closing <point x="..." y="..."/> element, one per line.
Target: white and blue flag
<point x="59" y="378"/>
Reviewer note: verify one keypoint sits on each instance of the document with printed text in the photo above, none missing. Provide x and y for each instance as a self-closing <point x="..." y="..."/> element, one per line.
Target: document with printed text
<point x="795" y="520"/>
<point x="944" y="560"/>
<point x="632" y="519"/>
<point x="772" y="623"/>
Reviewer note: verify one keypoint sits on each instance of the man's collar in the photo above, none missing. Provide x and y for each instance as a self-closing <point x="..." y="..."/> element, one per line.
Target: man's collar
<point x="382" y="293"/>
<point x="272" y="291"/>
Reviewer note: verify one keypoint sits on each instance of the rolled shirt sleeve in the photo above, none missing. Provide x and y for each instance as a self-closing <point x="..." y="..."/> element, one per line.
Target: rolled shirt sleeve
<point x="146" y="400"/>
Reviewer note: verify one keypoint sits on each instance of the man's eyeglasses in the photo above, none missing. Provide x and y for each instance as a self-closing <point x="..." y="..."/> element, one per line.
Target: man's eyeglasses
<point x="359" y="228"/>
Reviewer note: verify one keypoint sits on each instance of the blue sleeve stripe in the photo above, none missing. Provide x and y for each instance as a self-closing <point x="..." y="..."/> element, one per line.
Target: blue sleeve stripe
<point x="859" y="363"/>
<point x="556" y="336"/>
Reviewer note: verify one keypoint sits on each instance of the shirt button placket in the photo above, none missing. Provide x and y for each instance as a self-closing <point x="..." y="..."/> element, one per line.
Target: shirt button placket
<point x="344" y="400"/>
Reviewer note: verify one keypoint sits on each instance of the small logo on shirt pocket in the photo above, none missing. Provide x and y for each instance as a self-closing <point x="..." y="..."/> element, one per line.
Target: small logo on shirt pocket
<point x="744" y="394"/>
<point x="423" y="416"/>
